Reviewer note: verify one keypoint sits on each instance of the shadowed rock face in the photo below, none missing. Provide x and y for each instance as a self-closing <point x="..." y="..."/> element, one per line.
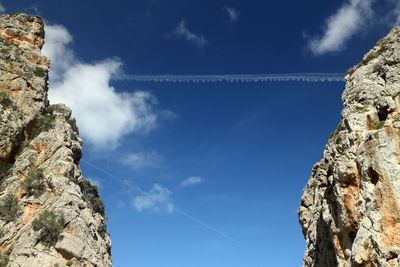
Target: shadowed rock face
<point x="350" y="209"/>
<point x="49" y="214"/>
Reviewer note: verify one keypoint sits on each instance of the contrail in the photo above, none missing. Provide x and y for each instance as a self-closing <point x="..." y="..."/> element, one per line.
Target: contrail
<point x="206" y="225"/>
<point x="231" y="78"/>
<point x="179" y="211"/>
<point x="122" y="181"/>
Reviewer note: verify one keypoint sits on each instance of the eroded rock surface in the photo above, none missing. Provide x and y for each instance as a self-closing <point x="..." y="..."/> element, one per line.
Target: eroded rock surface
<point x="49" y="214"/>
<point x="350" y="209"/>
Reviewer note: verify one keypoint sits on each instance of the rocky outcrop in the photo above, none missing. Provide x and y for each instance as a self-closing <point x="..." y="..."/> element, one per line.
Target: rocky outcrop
<point x="49" y="214"/>
<point x="350" y="209"/>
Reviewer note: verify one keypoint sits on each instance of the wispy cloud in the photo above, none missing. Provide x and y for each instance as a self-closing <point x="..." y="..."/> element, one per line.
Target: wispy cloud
<point x="142" y="160"/>
<point x="182" y="32"/>
<point x="2" y="8"/>
<point x="192" y="181"/>
<point x="103" y="114"/>
<point x="396" y="11"/>
<point x="158" y="199"/>
<point x="33" y="10"/>
<point x="232" y="13"/>
<point x="347" y="21"/>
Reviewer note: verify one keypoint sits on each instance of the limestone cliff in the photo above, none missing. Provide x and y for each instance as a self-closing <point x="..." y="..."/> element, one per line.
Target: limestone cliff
<point x="350" y="209"/>
<point x="49" y="214"/>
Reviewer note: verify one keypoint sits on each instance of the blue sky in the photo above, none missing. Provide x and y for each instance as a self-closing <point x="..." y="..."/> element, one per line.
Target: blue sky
<point x="206" y="174"/>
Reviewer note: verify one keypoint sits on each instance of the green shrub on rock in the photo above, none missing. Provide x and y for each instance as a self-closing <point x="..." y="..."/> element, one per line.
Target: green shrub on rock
<point x="34" y="184"/>
<point x="5" y="258"/>
<point x="2" y="232"/>
<point x="9" y="208"/>
<point x="91" y="195"/>
<point x="378" y="125"/>
<point x="40" y="72"/>
<point x="5" y="100"/>
<point x="50" y="224"/>
<point x="4" y="168"/>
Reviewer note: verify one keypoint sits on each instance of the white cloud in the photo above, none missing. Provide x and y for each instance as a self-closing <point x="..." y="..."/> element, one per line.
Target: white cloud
<point x="57" y="38"/>
<point x="348" y="20"/>
<point x="158" y="199"/>
<point x="142" y="160"/>
<point x="192" y="181"/>
<point x="232" y="13"/>
<point x="181" y="31"/>
<point x="103" y="114"/>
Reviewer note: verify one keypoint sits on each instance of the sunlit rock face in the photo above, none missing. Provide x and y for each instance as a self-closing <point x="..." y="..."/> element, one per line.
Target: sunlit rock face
<point x="49" y="214"/>
<point x="350" y="209"/>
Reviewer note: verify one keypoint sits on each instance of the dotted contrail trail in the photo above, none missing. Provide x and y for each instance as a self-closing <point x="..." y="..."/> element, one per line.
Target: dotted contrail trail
<point x="255" y="78"/>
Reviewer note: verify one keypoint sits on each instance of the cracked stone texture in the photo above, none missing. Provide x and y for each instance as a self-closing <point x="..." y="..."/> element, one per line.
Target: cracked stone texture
<point x="36" y="136"/>
<point x="350" y="209"/>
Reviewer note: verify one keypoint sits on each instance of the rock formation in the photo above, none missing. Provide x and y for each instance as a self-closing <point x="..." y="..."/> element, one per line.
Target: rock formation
<point x="49" y="214"/>
<point x="350" y="209"/>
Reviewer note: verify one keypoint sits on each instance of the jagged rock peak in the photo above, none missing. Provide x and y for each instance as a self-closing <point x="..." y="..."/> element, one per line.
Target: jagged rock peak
<point x="350" y="209"/>
<point x="50" y="215"/>
<point x="22" y="30"/>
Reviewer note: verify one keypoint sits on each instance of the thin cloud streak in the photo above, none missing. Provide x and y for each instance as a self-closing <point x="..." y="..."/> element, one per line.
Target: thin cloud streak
<point x="137" y="189"/>
<point x="179" y="211"/>
<point x="206" y="226"/>
<point x="192" y="181"/>
<point x="2" y="8"/>
<point x="256" y="78"/>
<point x="182" y="31"/>
<point x="232" y="13"/>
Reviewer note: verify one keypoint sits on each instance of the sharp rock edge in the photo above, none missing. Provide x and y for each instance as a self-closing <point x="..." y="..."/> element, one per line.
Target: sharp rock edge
<point x="350" y="209"/>
<point x="50" y="215"/>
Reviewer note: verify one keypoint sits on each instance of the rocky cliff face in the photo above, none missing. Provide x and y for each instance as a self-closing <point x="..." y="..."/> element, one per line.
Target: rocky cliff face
<point x="350" y="210"/>
<point x="49" y="214"/>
